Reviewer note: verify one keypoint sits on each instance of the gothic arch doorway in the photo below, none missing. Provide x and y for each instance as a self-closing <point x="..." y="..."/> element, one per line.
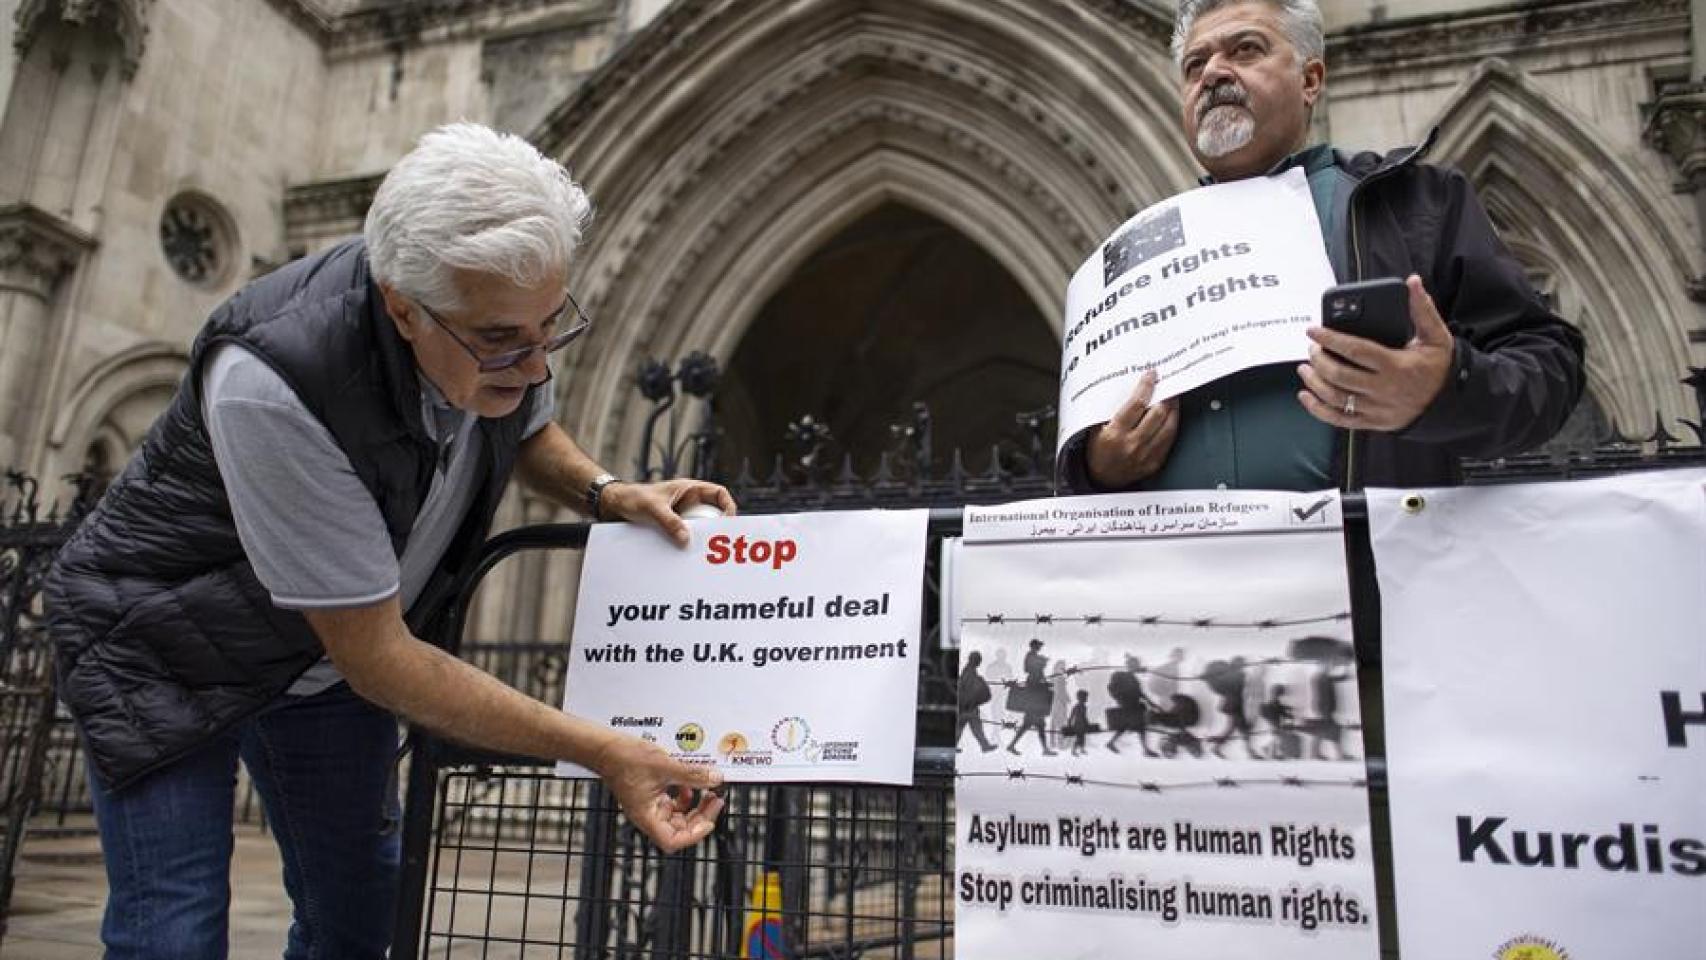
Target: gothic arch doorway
<point x="898" y="307"/>
<point x="1581" y="222"/>
<point x="731" y="139"/>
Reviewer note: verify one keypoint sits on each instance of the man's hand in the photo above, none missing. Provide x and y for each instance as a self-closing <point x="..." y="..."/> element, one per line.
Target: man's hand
<point x="1358" y="384"/>
<point x="389" y="666"/>
<point x="1135" y="443"/>
<point x="659" y="504"/>
<point x="657" y="792"/>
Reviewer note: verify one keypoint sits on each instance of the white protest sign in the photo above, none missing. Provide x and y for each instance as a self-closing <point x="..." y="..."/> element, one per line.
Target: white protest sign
<point x="1213" y="281"/>
<point x="778" y="648"/>
<point x="1164" y="514"/>
<point x="1545" y="675"/>
<point x="1160" y="736"/>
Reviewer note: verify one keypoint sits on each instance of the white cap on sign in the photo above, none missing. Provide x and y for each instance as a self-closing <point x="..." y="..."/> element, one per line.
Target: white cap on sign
<point x="700" y="511"/>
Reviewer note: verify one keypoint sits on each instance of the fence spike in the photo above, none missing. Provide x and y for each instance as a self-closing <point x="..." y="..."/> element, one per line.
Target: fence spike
<point x="1660" y="436"/>
<point x="885" y="472"/>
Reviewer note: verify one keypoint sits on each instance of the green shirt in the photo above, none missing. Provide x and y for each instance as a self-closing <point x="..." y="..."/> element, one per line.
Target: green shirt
<point x="1247" y="431"/>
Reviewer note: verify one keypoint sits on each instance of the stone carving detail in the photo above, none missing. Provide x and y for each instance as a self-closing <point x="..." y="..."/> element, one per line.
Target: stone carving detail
<point x="308" y="16"/>
<point x="395" y="25"/>
<point x="328" y="207"/>
<point x="37" y="250"/>
<point x="127" y="19"/>
<point x="197" y="239"/>
<point x="866" y="55"/>
<point x="1478" y="35"/>
<point x="709" y="236"/>
<point x="1676" y="127"/>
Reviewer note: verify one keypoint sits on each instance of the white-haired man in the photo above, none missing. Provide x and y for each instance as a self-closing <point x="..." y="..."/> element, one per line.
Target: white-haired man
<point x="255" y="583"/>
<point x="1490" y="371"/>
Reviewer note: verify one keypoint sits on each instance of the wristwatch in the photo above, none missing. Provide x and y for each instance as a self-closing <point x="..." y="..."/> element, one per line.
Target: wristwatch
<point x="595" y="492"/>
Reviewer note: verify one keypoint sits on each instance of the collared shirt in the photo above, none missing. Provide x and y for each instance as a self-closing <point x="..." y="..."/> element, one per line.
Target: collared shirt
<point x="1247" y="431"/>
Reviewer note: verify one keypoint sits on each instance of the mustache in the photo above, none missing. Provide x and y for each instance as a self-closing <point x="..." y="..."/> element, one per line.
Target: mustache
<point x="1230" y="92"/>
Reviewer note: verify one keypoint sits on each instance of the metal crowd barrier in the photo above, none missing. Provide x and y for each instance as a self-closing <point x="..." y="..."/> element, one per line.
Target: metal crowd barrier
<point x="502" y="859"/>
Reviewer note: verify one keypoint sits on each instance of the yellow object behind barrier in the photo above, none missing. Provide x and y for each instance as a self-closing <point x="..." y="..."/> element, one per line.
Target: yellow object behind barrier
<point x="762" y="934"/>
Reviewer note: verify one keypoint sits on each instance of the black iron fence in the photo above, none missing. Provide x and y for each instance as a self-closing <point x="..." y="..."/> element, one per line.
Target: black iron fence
<point x="504" y="859"/>
<point x="44" y="786"/>
<point x="30" y="536"/>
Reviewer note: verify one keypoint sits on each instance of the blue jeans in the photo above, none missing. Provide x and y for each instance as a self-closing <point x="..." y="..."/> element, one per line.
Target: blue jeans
<point x="322" y="766"/>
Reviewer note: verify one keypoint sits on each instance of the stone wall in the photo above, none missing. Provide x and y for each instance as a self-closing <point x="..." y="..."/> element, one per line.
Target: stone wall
<point x="224" y="104"/>
<point x="283" y="114"/>
<point x="8" y="60"/>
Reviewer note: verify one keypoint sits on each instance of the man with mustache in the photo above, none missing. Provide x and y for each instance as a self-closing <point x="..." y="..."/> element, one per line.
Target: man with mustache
<point x="255" y="584"/>
<point x="1490" y="371"/>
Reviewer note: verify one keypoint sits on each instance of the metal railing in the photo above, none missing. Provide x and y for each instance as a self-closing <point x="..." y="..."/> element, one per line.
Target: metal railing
<point x="502" y="858"/>
<point x="30" y="537"/>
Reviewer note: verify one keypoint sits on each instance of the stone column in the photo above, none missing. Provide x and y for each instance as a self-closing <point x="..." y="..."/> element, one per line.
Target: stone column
<point x="1676" y="127"/>
<point x="38" y="251"/>
<point x="1697" y="30"/>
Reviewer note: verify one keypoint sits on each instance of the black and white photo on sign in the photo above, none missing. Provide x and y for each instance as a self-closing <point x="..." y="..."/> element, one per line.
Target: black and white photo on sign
<point x="1154" y="233"/>
<point x="1159" y="734"/>
<point x="1296" y="703"/>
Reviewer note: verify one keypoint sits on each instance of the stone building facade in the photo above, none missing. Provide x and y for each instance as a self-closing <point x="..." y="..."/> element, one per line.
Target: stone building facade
<point x="849" y="203"/>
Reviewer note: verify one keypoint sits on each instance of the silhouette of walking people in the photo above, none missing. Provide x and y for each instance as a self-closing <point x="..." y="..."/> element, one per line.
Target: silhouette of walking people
<point x="1033" y="699"/>
<point x="974" y="693"/>
<point x="1078" y="723"/>
<point x="1227" y="680"/>
<point x="1062" y="704"/>
<point x="1131" y="706"/>
<point x="1326" y="727"/>
<point x="1286" y="745"/>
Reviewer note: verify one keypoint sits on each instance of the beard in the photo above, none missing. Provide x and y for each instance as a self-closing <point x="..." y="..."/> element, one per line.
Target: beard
<point x="1224" y="129"/>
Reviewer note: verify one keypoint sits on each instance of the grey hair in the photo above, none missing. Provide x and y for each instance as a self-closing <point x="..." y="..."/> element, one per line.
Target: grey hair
<point x="1300" y="19"/>
<point x="468" y="197"/>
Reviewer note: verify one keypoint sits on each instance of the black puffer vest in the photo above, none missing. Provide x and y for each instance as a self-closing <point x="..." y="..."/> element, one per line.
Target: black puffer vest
<point x="163" y="635"/>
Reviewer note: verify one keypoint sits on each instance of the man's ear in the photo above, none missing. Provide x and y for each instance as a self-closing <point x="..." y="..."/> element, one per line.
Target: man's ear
<point x="1314" y="81"/>
<point x="401" y="310"/>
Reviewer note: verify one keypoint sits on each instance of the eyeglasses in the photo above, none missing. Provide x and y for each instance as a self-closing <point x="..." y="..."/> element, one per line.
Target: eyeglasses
<point x="512" y="358"/>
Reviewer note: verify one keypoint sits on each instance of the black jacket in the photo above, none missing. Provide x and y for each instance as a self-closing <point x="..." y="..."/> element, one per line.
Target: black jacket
<point x="163" y="635"/>
<point x="1517" y="372"/>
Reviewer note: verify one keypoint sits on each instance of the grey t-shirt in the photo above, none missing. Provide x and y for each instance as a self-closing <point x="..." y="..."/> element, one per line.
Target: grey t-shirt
<point x="307" y="524"/>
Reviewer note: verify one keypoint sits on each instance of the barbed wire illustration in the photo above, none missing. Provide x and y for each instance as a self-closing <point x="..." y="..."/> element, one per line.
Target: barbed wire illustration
<point x="1151" y="786"/>
<point x="1148" y="620"/>
<point x="1008" y="725"/>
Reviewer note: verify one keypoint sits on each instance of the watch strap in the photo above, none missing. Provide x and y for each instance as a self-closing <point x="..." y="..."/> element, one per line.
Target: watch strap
<point x="595" y="493"/>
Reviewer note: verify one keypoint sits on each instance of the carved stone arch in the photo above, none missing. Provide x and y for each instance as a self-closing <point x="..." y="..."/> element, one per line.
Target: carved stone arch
<point x="732" y="136"/>
<point x="113" y="405"/>
<point x="1619" y="259"/>
<point x="125" y="20"/>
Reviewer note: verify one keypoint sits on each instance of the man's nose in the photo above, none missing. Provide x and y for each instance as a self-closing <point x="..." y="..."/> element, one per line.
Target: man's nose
<point x="1216" y="71"/>
<point x="535" y="366"/>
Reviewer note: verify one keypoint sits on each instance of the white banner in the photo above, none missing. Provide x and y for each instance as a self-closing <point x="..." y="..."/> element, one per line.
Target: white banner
<point x="1207" y="283"/>
<point x="1160" y="736"/>
<point x="1187" y="513"/>
<point x="1545" y="674"/>
<point x="779" y="648"/>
